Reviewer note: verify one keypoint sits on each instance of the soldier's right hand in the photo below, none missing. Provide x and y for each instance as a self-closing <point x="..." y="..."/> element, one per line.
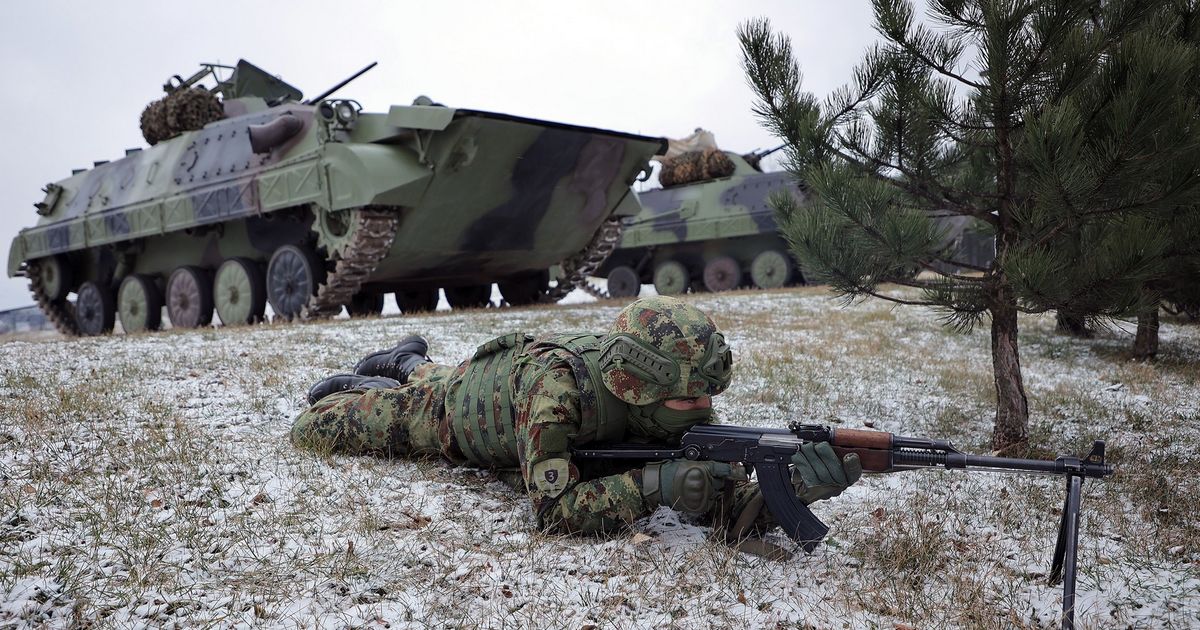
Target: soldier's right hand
<point x="818" y="474"/>
<point x="686" y="485"/>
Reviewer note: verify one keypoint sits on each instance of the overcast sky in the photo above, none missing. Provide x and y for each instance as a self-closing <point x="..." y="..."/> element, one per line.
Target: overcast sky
<point x="76" y="76"/>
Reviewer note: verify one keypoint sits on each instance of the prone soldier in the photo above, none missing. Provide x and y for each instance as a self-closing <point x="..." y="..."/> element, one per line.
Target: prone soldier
<point x="520" y="404"/>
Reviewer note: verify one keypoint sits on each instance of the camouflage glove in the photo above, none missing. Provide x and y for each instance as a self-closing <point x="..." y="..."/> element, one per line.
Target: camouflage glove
<point x="686" y="485"/>
<point x="817" y="474"/>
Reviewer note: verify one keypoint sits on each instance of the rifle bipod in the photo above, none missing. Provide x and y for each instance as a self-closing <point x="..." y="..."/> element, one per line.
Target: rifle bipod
<point x="1062" y="567"/>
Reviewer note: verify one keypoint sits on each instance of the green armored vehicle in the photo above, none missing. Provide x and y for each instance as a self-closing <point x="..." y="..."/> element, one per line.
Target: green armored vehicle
<point x="709" y="227"/>
<point x="260" y="197"/>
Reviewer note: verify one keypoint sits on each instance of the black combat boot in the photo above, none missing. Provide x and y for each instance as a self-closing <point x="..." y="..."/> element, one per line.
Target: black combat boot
<point x="398" y="362"/>
<point x="342" y="382"/>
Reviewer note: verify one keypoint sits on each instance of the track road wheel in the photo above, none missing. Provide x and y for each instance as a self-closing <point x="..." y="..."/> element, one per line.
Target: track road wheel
<point x="417" y="300"/>
<point x="623" y="282"/>
<point x="365" y="305"/>
<point x="292" y="279"/>
<point x="671" y="278"/>
<point x="475" y="296"/>
<point x="771" y="269"/>
<point x="55" y="275"/>
<point x="525" y="289"/>
<point x="240" y="292"/>
<point x="722" y="274"/>
<point x="95" y="309"/>
<point x="189" y="297"/>
<point x="139" y="303"/>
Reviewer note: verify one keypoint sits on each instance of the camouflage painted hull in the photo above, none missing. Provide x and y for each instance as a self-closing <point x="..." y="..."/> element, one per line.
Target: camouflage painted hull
<point x="714" y="235"/>
<point x="469" y="198"/>
<point x="557" y="190"/>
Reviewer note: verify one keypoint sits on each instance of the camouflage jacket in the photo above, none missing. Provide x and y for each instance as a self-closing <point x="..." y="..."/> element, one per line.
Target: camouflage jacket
<point x="531" y="419"/>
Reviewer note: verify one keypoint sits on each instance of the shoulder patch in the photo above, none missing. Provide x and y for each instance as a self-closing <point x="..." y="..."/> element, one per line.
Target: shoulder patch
<point x="550" y="476"/>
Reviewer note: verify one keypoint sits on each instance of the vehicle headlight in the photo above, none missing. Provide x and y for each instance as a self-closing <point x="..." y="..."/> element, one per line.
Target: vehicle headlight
<point x="346" y="112"/>
<point x="326" y="112"/>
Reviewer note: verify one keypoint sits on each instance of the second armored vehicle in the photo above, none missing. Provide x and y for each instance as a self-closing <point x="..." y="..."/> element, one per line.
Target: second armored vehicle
<point x="710" y="227"/>
<point x="313" y="205"/>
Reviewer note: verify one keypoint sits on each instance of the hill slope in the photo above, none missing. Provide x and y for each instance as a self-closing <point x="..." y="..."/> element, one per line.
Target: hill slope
<point x="149" y="480"/>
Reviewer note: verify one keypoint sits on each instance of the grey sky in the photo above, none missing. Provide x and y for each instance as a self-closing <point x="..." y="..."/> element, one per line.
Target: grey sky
<point x="76" y="76"/>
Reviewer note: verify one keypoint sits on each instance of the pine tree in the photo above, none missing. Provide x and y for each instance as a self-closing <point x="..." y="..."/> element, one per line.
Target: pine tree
<point x="1176" y="285"/>
<point x="1066" y="127"/>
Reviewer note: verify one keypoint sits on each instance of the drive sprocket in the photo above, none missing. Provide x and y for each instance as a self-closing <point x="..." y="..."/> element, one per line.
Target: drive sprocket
<point x="59" y="311"/>
<point x="354" y="242"/>
<point x="577" y="268"/>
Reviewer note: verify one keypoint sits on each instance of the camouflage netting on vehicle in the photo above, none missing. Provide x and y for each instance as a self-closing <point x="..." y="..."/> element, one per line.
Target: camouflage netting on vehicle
<point x="695" y="166"/>
<point x="154" y="122"/>
<point x="184" y="110"/>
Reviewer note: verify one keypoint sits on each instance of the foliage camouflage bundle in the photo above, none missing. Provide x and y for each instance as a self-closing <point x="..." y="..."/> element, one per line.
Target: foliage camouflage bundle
<point x="695" y="166"/>
<point x="1066" y="128"/>
<point x="190" y="109"/>
<point x="183" y="110"/>
<point x="154" y="122"/>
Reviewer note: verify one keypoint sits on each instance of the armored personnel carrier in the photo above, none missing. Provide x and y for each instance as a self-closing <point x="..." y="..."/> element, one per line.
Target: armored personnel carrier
<point x="250" y="195"/>
<point x="709" y="228"/>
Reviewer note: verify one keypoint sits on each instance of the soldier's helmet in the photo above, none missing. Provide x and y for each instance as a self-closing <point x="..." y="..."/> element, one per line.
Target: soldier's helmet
<point x="660" y="348"/>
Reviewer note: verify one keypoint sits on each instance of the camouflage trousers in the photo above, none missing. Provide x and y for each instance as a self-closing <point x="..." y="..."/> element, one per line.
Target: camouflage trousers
<point x="407" y="421"/>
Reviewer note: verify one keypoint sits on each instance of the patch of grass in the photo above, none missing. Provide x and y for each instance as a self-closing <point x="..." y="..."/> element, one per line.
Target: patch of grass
<point x="1163" y="487"/>
<point x="154" y="484"/>
<point x="963" y="381"/>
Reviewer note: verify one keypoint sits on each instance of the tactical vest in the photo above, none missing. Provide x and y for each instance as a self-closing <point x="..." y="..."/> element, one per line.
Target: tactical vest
<point x="481" y="405"/>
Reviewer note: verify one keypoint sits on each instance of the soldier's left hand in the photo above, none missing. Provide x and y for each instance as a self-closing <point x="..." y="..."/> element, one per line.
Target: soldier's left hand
<point x="686" y="485"/>
<point x="818" y="474"/>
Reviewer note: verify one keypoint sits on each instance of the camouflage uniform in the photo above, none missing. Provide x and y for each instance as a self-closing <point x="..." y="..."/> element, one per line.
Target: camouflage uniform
<point x="408" y="421"/>
<point x="553" y="398"/>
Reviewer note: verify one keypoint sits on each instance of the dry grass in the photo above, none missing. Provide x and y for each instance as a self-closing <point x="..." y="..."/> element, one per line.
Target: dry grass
<point x="149" y="481"/>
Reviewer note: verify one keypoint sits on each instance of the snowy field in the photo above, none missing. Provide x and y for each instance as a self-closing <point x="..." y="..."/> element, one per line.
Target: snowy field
<point x="147" y="481"/>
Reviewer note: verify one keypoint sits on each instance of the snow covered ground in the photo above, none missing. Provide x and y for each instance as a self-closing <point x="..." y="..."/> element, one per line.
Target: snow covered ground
<point x="148" y="481"/>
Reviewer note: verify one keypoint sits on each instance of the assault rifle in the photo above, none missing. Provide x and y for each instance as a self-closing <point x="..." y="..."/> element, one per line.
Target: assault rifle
<point x="769" y="452"/>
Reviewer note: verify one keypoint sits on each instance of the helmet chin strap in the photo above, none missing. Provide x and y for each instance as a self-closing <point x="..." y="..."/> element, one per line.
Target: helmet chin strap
<point x="659" y="422"/>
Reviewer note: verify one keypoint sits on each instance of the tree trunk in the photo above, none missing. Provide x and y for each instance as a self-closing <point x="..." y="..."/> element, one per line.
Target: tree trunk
<point x="1012" y="407"/>
<point x="1073" y="325"/>
<point x="1145" y="345"/>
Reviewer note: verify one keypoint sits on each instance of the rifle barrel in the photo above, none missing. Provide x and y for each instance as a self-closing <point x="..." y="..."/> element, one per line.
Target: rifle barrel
<point x="903" y="458"/>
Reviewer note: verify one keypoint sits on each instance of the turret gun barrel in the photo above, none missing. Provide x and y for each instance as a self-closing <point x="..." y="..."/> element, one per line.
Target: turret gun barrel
<point x="762" y="153"/>
<point x="339" y="86"/>
<point x="754" y="157"/>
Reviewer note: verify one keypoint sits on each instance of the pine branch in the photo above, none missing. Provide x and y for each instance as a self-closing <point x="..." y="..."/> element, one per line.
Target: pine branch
<point x="957" y="17"/>
<point x="964" y="265"/>
<point x="959" y="139"/>
<point x="899" y="30"/>
<point x="1177" y="189"/>
<point x="946" y="72"/>
<point x="867" y="79"/>
<point x="902" y="184"/>
<point x="897" y="300"/>
<point x="1016" y="125"/>
<point x="1043" y="50"/>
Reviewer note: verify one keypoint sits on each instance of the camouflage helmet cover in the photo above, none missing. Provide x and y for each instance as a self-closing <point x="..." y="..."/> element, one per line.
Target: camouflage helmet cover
<point x="661" y="348"/>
